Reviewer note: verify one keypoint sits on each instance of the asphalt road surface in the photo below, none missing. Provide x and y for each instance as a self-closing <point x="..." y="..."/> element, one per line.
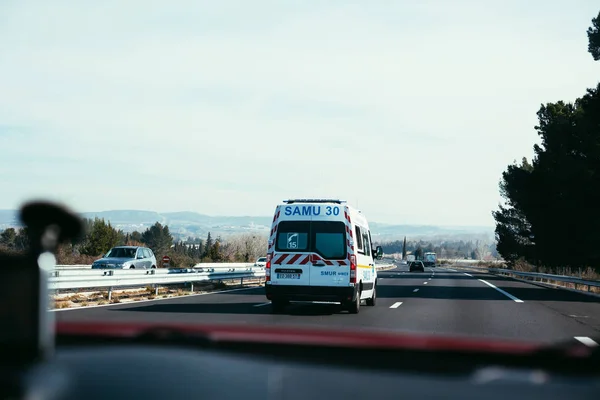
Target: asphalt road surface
<point x="442" y="301"/>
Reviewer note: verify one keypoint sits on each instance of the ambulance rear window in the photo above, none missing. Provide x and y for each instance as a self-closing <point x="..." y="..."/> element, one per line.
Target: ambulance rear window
<point x="329" y="239"/>
<point x="292" y="236"/>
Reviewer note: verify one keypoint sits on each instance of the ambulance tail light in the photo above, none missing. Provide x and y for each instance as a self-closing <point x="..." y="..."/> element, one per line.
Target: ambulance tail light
<point x="352" y="268"/>
<point x="268" y="268"/>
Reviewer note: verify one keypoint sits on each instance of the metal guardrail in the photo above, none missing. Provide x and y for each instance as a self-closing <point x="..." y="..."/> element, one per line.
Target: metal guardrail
<point x="77" y="266"/>
<point x="111" y="278"/>
<point x="100" y="278"/>
<point x="460" y="260"/>
<point x="201" y="265"/>
<point x="535" y="276"/>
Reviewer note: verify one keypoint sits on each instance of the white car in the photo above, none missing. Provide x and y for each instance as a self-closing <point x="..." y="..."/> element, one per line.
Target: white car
<point x="261" y="262"/>
<point x="320" y="250"/>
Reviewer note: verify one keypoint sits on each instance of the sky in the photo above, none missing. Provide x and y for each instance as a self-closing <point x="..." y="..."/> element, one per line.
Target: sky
<point x="408" y="110"/>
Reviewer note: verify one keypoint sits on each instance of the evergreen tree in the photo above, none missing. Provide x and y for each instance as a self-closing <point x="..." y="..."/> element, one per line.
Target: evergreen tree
<point x="158" y="238"/>
<point x="593" y="33"/>
<point x="8" y="237"/>
<point x="208" y="246"/>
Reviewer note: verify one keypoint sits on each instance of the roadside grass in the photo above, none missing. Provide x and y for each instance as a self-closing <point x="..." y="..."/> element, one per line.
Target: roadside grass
<point x="100" y="297"/>
<point x="587" y="273"/>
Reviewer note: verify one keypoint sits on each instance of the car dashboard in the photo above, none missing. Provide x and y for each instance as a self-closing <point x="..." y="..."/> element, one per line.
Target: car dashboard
<point x="179" y="368"/>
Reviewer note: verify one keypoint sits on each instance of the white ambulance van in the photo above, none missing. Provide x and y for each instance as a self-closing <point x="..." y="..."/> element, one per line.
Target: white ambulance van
<point x="320" y="250"/>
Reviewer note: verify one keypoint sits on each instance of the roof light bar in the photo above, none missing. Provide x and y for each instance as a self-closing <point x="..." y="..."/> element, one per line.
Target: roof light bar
<point x="336" y="201"/>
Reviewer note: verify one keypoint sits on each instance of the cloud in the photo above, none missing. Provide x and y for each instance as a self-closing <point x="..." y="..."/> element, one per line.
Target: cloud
<point x="229" y="107"/>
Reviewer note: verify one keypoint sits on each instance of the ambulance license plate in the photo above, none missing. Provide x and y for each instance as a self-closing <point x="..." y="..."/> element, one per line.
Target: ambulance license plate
<point x="288" y="276"/>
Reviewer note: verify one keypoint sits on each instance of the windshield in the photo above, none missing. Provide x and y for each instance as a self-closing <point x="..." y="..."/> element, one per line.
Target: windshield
<point x="121" y="252"/>
<point x="291" y="133"/>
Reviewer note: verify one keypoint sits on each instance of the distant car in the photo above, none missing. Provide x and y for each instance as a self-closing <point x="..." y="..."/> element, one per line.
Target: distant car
<point x="126" y="257"/>
<point x="416" y="266"/>
<point x="261" y="262"/>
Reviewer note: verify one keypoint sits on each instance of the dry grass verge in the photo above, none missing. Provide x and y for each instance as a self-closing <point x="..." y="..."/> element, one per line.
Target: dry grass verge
<point x="100" y="297"/>
<point x="385" y="269"/>
<point x="588" y="274"/>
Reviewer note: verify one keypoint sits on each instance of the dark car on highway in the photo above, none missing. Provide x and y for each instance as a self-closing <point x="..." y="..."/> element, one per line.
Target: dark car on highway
<point x="416" y="266"/>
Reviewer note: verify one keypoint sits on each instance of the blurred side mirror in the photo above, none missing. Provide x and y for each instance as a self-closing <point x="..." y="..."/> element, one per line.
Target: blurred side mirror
<point x="378" y="252"/>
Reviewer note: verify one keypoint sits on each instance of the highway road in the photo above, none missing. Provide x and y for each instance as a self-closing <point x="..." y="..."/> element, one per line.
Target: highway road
<point x="442" y="301"/>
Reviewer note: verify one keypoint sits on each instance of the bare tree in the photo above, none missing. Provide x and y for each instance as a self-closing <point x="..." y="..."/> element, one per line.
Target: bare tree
<point x="481" y="250"/>
<point x="443" y="253"/>
<point x="246" y="247"/>
<point x="228" y="249"/>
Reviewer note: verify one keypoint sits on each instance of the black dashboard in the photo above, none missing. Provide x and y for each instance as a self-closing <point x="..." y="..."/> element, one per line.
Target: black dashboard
<point x="148" y="371"/>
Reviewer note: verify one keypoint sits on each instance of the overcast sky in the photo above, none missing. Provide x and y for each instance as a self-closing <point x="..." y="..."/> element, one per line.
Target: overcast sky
<point x="409" y="109"/>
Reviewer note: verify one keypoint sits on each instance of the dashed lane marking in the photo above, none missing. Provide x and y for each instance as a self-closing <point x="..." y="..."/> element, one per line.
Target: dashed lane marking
<point x="510" y="296"/>
<point x="587" y="341"/>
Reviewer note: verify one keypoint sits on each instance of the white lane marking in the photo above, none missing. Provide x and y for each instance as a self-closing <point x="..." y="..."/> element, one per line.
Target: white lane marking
<point x="468" y="274"/>
<point x="396" y="305"/>
<point x="424" y="283"/>
<point x="510" y="296"/>
<point x="416" y="290"/>
<point x="429" y="279"/>
<point x="129" y="303"/>
<point x="263" y="304"/>
<point x="587" y="341"/>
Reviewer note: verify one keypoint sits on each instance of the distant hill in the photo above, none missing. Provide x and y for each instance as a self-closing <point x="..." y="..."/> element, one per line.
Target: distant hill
<point x="428" y="229"/>
<point x="127" y="216"/>
<point x="384" y="232"/>
<point x="187" y="223"/>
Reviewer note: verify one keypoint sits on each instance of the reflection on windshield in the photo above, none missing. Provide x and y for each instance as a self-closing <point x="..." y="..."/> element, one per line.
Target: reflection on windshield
<point x="121" y="252"/>
<point x="221" y="117"/>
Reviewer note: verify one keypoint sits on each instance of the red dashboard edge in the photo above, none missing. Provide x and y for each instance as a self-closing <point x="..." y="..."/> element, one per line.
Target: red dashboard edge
<point x="303" y="336"/>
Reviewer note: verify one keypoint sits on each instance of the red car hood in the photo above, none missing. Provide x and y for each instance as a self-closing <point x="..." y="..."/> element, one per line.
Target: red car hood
<point x="303" y="336"/>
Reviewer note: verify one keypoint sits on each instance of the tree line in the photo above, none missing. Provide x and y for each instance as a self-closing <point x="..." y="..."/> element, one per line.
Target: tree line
<point x="551" y="209"/>
<point x="453" y="249"/>
<point x="100" y="236"/>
